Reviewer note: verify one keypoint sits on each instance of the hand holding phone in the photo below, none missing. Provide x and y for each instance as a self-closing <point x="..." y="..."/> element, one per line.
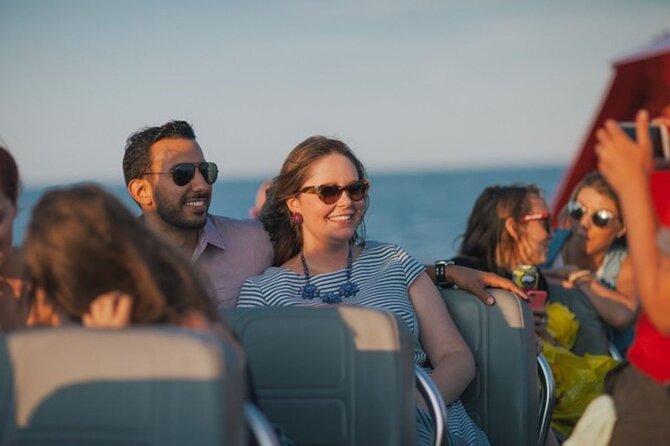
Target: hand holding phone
<point x="658" y="134"/>
<point x="537" y="298"/>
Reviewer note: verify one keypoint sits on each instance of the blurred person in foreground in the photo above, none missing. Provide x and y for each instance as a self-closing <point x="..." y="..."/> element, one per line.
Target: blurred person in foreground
<point x="637" y="410"/>
<point x="88" y="260"/>
<point x="10" y="256"/>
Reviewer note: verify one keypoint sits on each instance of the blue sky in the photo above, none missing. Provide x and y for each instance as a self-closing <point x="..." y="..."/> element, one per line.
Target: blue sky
<point x="408" y="84"/>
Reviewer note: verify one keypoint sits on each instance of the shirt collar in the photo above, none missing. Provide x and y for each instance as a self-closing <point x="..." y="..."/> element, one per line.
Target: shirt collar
<point x="210" y="234"/>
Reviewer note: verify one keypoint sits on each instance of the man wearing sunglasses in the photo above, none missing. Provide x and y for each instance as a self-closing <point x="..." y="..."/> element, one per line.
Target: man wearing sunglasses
<point x="168" y="177"/>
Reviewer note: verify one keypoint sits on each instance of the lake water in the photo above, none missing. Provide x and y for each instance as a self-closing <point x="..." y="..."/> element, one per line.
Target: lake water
<point x="422" y="212"/>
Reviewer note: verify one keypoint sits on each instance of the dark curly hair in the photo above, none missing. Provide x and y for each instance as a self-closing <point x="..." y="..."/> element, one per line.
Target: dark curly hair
<point x="275" y="215"/>
<point x="136" y="159"/>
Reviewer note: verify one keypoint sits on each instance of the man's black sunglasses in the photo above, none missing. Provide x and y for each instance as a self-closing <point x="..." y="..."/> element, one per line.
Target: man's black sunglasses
<point x="183" y="173"/>
<point x="600" y="218"/>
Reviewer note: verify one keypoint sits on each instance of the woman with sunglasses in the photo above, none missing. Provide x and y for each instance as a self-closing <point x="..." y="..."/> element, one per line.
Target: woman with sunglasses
<point x="508" y="227"/>
<point x="314" y="214"/>
<point x="591" y="256"/>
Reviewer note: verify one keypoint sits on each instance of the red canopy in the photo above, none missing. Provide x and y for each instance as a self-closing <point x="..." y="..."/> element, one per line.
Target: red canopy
<point x="641" y="80"/>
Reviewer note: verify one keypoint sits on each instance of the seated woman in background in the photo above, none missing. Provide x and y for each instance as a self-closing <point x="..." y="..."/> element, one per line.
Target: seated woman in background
<point x="88" y="260"/>
<point x="508" y="227"/>
<point x="590" y="256"/>
<point x="10" y="256"/>
<point x="314" y="215"/>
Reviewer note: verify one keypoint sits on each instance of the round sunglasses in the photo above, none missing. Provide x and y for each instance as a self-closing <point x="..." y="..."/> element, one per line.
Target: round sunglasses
<point x="542" y="217"/>
<point x="600" y="218"/>
<point x="183" y="173"/>
<point x="330" y="193"/>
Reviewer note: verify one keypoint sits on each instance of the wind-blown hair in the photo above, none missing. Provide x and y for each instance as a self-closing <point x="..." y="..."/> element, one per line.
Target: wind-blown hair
<point x="275" y="215"/>
<point x="597" y="182"/>
<point x="486" y="239"/>
<point x="9" y="176"/>
<point x="136" y="159"/>
<point x="83" y="242"/>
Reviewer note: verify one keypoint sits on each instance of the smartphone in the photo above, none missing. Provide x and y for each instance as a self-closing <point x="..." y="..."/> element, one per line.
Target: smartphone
<point x="658" y="134"/>
<point x="537" y="298"/>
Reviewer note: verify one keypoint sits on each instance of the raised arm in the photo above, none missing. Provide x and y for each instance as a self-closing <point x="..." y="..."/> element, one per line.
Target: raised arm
<point x="617" y="308"/>
<point x="452" y="360"/>
<point x="627" y="164"/>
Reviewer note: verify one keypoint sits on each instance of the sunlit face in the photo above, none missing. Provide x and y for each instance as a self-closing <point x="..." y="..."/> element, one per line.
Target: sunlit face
<point x="534" y="234"/>
<point x="328" y="223"/>
<point x="184" y="207"/>
<point x="7" y="215"/>
<point x="596" y="240"/>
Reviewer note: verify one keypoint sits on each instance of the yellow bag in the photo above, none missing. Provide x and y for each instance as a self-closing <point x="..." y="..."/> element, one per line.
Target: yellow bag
<point x="562" y="324"/>
<point x="579" y="379"/>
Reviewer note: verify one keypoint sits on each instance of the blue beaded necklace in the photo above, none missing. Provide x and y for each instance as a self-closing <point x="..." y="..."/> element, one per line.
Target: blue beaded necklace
<point x="311" y="291"/>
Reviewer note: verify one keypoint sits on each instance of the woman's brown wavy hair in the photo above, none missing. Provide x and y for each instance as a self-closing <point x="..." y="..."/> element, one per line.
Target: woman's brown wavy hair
<point x="82" y="242"/>
<point x="275" y="215"/>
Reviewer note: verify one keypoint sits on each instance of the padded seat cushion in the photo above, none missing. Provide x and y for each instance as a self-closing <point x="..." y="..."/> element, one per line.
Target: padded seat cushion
<point x="331" y="375"/>
<point x="503" y="398"/>
<point x="149" y="386"/>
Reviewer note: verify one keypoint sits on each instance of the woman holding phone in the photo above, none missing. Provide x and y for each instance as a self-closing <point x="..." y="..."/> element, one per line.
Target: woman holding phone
<point x="638" y="409"/>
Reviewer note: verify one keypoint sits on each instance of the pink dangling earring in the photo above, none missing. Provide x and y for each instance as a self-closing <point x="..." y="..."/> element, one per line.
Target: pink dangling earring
<point x="296" y="218"/>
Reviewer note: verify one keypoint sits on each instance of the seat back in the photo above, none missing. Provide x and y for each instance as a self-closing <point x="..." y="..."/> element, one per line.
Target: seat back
<point x="149" y="386"/>
<point x="503" y="398"/>
<point x="331" y="375"/>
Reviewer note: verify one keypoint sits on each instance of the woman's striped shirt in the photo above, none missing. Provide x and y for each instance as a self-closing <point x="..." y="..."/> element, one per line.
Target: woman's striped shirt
<point x="383" y="273"/>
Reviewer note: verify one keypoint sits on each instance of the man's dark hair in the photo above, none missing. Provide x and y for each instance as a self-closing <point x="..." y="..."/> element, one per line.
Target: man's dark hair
<point x="136" y="159"/>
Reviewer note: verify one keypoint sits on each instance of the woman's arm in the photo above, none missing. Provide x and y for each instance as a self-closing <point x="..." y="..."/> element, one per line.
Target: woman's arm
<point x="615" y="307"/>
<point x="626" y="164"/>
<point x="452" y="360"/>
<point x="475" y="281"/>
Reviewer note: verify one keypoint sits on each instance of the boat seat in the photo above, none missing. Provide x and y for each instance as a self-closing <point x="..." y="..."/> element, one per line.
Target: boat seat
<point x="332" y="375"/>
<point x="136" y="386"/>
<point x="503" y="399"/>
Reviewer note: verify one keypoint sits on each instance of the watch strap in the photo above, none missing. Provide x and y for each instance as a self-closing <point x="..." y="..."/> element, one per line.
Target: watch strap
<point x="440" y="272"/>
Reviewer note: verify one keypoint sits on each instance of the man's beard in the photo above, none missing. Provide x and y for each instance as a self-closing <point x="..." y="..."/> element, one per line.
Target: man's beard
<point x="170" y="211"/>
